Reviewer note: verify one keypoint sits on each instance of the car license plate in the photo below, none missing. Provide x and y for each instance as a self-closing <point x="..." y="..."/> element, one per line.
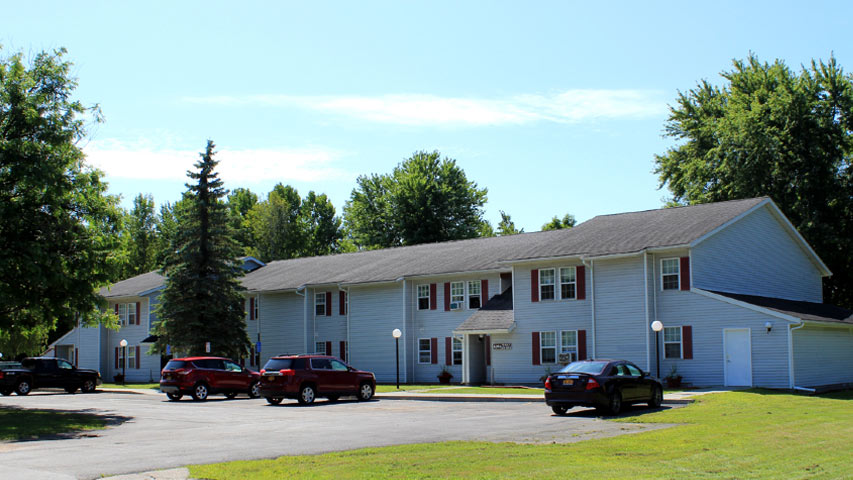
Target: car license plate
<point x="568" y="381"/>
<point x="270" y="378"/>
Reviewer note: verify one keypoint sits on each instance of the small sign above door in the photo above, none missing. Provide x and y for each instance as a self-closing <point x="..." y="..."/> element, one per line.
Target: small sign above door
<point x="501" y="346"/>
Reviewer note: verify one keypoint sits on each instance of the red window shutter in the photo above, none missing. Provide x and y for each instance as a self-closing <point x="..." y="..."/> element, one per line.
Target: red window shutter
<point x="488" y="350"/>
<point x="448" y="351"/>
<point x="328" y="304"/>
<point x="116" y="357"/>
<point x="433" y="297"/>
<point x="329" y="344"/>
<point x="343" y="350"/>
<point x="446" y="296"/>
<point x="138" y="357"/>
<point x="116" y="309"/>
<point x="138" y="309"/>
<point x="687" y="341"/>
<point x="251" y="308"/>
<point x="342" y="299"/>
<point x="581" y="344"/>
<point x="76" y="356"/>
<point x="433" y="347"/>
<point x="685" y="273"/>
<point x="580" y="278"/>
<point x="534" y="288"/>
<point x="484" y="292"/>
<point x="535" y="336"/>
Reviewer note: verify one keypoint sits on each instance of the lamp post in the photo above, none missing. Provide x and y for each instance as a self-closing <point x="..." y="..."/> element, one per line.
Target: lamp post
<point x="123" y="344"/>
<point x="657" y="327"/>
<point x="397" y="334"/>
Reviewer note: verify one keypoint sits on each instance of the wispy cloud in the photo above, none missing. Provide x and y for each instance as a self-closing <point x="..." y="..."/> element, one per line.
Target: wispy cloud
<point x="569" y="106"/>
<point x="142" y="160"/>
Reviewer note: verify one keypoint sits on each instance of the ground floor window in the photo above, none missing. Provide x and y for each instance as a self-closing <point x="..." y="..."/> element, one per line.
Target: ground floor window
<point x="131" y="357"/>
<point x="568" y="346"/>
<point x="457" y="351"/>
<point x="320" y="347"/>
<point x="548" y="347"/>
<point x="672" y="342"/>
<point x="424" y="350"/>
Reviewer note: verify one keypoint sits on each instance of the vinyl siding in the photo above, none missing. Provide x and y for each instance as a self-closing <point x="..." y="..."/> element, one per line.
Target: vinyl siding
<point x="281" y="325"/>
<point x="709" y="317"/>
<point x="620" y="319"/>
<point x="149" y="365"/>
<point x="375" y="311"/>
<point x="331" y="328"/>
<point x="756" y="256"/>
<point x="516" y="365"/>
<point x="822" y="356"/>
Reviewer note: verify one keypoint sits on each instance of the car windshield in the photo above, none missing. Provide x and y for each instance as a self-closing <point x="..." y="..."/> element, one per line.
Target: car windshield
<point x="592" y="368"/>
<point x="175" y="365"/>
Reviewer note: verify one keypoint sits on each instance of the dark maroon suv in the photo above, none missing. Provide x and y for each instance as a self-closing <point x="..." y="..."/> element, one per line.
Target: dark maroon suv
<point x="203" y="376"/>
<point x="306" y="377"/>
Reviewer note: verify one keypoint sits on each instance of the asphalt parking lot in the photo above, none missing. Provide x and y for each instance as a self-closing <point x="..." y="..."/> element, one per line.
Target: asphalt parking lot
<point x="148" y="432"/>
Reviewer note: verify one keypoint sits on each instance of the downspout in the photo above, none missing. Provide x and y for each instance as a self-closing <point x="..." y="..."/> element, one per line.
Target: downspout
<point x="592" y="301"/>
<point x="405" y="362"/>
<point x="646" y="327"/>
<point x="791" y="357"/>
<point x="304" y="317"/>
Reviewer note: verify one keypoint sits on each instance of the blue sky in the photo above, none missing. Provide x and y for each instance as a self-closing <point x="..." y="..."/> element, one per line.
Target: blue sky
<point x="555" y="107"/>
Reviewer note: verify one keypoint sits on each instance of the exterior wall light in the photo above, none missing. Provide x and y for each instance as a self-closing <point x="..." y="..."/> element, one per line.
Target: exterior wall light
<point x="768" y="326"/>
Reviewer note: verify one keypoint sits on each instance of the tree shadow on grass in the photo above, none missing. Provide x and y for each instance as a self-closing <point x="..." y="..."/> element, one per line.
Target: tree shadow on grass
<point x="26" y="425"/>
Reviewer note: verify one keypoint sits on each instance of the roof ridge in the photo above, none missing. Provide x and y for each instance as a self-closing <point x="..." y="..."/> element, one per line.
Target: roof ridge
<point x="680" y="207"/>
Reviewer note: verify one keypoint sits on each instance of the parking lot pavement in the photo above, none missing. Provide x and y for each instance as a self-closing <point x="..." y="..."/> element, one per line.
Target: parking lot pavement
<point x="149" y="432"/>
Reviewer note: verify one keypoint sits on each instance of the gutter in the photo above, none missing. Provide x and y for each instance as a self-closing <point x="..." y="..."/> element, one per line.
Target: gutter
<point x="592" y="300"/>
<point x="791" y="329"/>
<point x="349" y="345"/>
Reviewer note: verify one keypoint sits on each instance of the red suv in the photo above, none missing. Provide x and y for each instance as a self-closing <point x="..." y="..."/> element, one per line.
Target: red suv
<point x="203" y="376"/>
<point x="306" y="377"/>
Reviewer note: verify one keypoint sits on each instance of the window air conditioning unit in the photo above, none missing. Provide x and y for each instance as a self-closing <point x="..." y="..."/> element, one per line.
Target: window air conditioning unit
<point x="455" y="305"/>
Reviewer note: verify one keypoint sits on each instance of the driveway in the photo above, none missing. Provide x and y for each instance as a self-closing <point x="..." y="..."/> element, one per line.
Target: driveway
<point x="147" y="432"/>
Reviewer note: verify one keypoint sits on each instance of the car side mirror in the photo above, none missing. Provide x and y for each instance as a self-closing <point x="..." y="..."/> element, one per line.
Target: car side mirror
<point x="646" y="374"/>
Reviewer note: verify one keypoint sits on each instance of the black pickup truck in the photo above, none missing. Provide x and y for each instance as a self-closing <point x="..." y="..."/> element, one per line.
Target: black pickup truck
<point x="47" y="372"/>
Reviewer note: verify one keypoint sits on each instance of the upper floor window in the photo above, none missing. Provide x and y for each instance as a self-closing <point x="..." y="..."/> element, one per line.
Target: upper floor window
<point x="474" y="295"/>
<point x="126" y="313"/>
<point x="568" y="283"/>
<point x="546" y="284"/>
<point x="257" y="308"/>
<point x="423" y="297"/>
<point x="320" y="304"/>
<point x="424" y="350"/>
<point x="672" y="342"/>
<point x="457" y="295"/>
<point x="669" y="273"/>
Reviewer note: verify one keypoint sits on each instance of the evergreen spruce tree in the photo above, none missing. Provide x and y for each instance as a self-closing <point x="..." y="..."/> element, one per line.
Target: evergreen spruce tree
<point x="202" y="300"/>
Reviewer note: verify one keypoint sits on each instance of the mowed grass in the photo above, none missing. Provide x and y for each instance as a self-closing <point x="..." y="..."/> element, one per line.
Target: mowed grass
<point x="750" y="434"/>
<point x="19" y="424"/>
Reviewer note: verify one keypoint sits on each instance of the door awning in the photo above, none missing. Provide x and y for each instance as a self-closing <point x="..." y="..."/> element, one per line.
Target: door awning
<point x="495" y="317"/>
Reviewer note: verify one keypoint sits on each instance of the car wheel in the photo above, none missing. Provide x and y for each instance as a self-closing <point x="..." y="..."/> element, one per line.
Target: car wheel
<point x="230" y="395"/>
<point x="7" y="392"/>
<point x="614" y="404"/>
<point x="559" y="409"/>
<point x="657" y="398"/>
<point x="306" y="395"/>
<point x="255" y="390"/>
<point x="175" y="396"/>
<point x="333" y="398"/>
<point x="365" y="392"/>
<point x="200" y="392"/>
<point x="70" y="389"/>
<point x="88" y="386"/>
<point x="23" y="387"/>
<point x="274" y="400"/>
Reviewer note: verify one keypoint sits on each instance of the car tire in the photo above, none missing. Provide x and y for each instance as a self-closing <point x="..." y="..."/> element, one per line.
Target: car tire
<point x="70" y="389"/>
<point x="200" y="392"/>
<point x="365" y="392"/>
<point x="560" y="409"/>
<point x="333" y="398"/>
<point x="23" y="387"/>
<point x="657" y="398"/>
<point x="230" y="395"/>
<point x="614" y="403"/>
<point x="88" y="386"/>
<point x="274" y="400"/>
<point x="307" y="394"/>
<point x="255" y="390"/>
<point x="175" y="396"/>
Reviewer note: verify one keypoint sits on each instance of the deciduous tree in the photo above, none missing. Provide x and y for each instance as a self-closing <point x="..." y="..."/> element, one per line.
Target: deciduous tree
<point x="568" y="221"/>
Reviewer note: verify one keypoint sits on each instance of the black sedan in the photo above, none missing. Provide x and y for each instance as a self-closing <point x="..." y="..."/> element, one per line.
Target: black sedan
<point x="604" y="384"/>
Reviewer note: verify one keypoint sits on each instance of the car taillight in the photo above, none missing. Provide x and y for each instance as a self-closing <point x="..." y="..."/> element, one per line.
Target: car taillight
<point x="263" y="371"/>
<point x="592" y="384"/>
<point x="1" y="374"/>
<point x="287" y="372"/>
<point x="548" y="384"/>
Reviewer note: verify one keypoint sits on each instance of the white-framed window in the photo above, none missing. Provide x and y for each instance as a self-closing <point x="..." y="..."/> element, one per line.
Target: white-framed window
<point x="122" y="313"/>
<point x="131" y="315"/>
<point x="457" y="351"/>
<point x="546" y="284"/>
<point x="257" y="311"/>
<point x="457" y="295"/>
<point x="568" y="283"/>
<point x="424" y="350"/>
<point x="320" y="347"/>
<point x="670" y="270"/>
<point x="320" y="304"/>
<point x="548" y="347"/>
<point x="121" y="351"/>
<point x="672" y="347"/>
<point x="346" y="303"/>
<point x="474" y="292"/>
<point x="569" y="345"/>
<point x="131" y="357"/>
<point x="423" y="297"/>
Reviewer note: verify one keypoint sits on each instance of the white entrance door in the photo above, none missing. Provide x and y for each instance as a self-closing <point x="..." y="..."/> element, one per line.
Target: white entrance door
<point x="737" y="357"/>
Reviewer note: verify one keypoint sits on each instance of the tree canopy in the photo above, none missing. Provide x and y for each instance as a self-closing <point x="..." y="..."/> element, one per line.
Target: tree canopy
<point x="202" y="300"/>
<point x="425" y="199"/>
<point x="568" y="221"/>
<point x="506" y="226"/>
<point x="58" y="227"/>
<point x="772" y="131"/>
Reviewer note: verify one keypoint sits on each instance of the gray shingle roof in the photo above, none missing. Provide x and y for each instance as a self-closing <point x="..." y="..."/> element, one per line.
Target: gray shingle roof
<point x="808" y="311"/>
<point x="496" y="314"/>
<point x="133" y="286"/>
<point x="602" y="235"/>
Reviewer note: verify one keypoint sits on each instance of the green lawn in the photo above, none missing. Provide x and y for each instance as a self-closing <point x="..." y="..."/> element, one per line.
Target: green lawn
<point x="154" y="386"/>
<point x="750" y="434"/>
<point x="20" y="424"/>
<point x="458" y="389"/>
